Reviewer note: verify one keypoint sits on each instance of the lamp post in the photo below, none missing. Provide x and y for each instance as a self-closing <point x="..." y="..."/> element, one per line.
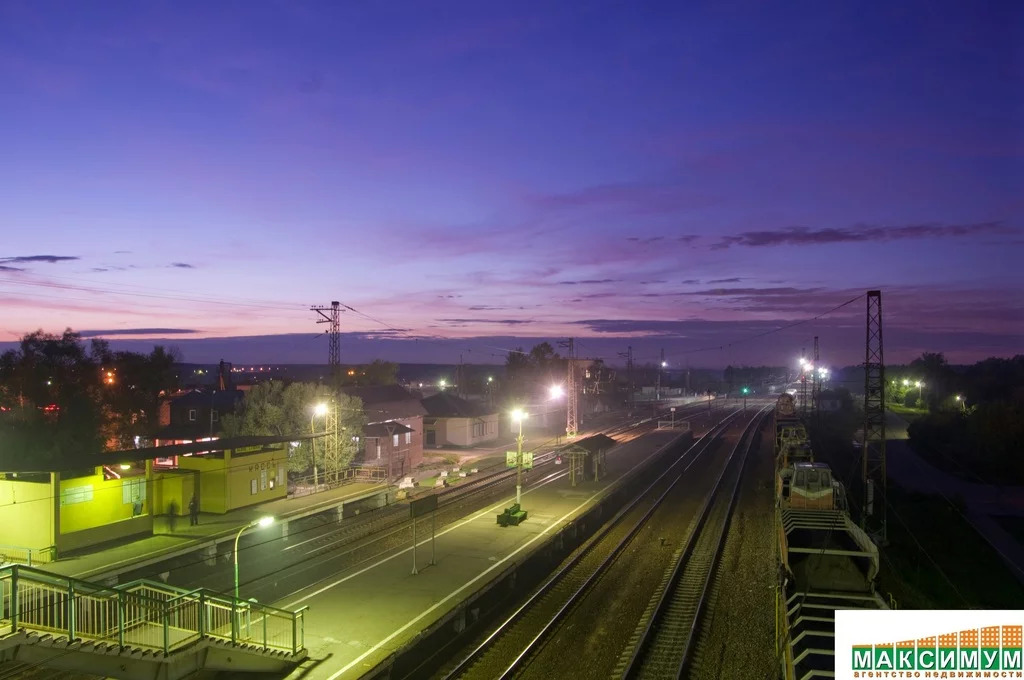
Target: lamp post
<point x="261" y="522"/>
<point x="519" y="415"/>
<point x="920" y="390"/>
<point x="962" y="403"/>
<point x="318" y="410"/>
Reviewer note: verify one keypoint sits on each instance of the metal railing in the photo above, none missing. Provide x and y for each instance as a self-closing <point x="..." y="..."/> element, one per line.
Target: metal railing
<point x="305" y="486"/>
<point x="142" y="614"/>
<point x="16" y="554"/>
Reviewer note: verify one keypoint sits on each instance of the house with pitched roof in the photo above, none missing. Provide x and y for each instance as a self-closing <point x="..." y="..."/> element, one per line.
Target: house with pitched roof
<point x="453" y="421"/>
<point x="393" y="434"/>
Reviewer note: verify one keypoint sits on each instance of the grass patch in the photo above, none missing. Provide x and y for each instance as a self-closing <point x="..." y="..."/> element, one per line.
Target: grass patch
<point x="923" y="528"/>
<point x="906" y="412"/>
<point x="928" y="538"/>
<point x="442" y="457"/>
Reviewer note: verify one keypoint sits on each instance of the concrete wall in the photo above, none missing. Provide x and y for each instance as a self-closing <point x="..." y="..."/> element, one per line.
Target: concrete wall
<point x="459" y="431"/>
<point x="92" y="501"/>
<point x="173" y="486"/>
<point x="26" y="514"/>
<point x="227" y="483"/>
<point x="95" y="510"/>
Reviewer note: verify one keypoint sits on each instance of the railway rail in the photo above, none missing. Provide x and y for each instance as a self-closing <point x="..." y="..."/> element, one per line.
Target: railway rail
<point x="515" y="642"/>
<point x="370" y="535"/>
<point x="666" y="641"/>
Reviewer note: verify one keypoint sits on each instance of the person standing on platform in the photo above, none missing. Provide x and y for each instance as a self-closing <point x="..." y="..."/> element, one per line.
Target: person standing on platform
<point x="193" y="511"/>
<point x="172" y="515"/>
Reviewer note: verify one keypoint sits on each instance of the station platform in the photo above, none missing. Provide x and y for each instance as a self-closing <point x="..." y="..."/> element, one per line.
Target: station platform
<point x="360" y="616"/>
<point x="105" y="562"/>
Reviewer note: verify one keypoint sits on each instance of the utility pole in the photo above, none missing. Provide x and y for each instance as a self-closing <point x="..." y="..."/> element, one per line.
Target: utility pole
<point x="803" y="380"/>
<point x="629" y="376"/>
<point x="571" y="403"/>
<point x="816" y="385"/>
<point x="661" y="365"/>
<point x="334" y="336"/>
<point x="873" y="517"/>
<point x="459" y="378"/>
<point x="332" y="442"/>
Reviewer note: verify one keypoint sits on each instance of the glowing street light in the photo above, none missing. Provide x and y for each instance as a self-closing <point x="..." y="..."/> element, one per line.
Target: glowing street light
<point x="262" y="522"/>
<point x="556" y="391"/>
<point x="518" y="416"/>
<point x="442" y="383"/>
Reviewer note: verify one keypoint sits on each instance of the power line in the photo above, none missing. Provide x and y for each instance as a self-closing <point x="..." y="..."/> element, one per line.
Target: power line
<point x="726" y="345"/>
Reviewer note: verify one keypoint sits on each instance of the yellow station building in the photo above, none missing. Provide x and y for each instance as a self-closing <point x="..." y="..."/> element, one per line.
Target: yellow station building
<point x="46" y="513"/>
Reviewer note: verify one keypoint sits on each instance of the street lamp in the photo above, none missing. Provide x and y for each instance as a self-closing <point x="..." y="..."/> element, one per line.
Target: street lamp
<point x="318" y="410"/>
<point x="262" y="522"/>
<point x="519" y="415"/>
<point x="920" y="390"/>
<point x="556" y="391"/>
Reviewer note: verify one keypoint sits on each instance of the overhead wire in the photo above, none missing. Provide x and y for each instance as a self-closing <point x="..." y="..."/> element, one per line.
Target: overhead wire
<point x="727" y="345"/>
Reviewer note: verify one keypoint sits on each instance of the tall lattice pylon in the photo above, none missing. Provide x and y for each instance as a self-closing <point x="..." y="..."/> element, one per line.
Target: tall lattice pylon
<point x="571" y="390"/>
<point x="816" y="385"/>
<point x="332" y="444"/>
<point x="334" y="335"/>
<point x="873" y="516"/>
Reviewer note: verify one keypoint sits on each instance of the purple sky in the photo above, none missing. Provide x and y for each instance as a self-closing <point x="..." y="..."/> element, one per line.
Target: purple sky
<point x="499" y="173"/>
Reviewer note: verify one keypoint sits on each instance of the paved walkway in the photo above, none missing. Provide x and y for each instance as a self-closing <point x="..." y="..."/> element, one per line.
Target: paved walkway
<point x="105" y="562"/>
<point x="368" y="612"/>
<point x="982" y="501"/>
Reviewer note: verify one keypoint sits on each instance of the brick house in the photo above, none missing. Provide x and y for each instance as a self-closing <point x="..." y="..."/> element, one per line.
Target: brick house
<point x="393" y="435"/>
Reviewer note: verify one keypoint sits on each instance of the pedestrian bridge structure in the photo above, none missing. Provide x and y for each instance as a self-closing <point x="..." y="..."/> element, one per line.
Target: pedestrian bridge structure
<point x="142" y="629"/>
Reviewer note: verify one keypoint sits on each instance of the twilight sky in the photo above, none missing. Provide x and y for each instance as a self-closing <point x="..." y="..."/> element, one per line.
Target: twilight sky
<point x="480" y="175"/>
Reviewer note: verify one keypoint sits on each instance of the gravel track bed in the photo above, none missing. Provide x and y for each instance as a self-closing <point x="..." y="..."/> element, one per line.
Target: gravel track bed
<point x="736" y="640"/>
<point x="509" y="644"/>
<point x="597" y="629"/>
<point x="604" y="620"/>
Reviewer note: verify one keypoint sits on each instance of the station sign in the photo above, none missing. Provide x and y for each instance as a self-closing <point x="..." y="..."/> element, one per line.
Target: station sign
<point x="510" y="459"/>
<point x="422" y="506"/>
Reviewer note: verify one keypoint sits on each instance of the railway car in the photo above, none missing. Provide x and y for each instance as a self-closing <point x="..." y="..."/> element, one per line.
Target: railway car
<point x="826" y="562"/>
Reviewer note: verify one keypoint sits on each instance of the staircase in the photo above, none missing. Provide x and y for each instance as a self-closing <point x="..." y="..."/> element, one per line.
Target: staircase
<point x="141" y="629"/>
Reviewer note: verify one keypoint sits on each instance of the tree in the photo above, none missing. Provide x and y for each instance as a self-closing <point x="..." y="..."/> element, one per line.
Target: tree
<point x="528" y="372"/>
<point x="272" y="408"/>
<point x="933" y="370"/>
<point x="51" y="387"/>
<point x="380" y="373"/>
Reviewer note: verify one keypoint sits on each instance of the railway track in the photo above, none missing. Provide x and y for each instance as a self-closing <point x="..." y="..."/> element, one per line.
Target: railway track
<point x="359" y="540"/>
<point x="515" y="642"/>
<point x="665" y="643"/>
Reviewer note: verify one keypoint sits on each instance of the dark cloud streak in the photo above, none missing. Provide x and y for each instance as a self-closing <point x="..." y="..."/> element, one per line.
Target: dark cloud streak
<point x="801" y="236"/>
<point x="51" y="259"/>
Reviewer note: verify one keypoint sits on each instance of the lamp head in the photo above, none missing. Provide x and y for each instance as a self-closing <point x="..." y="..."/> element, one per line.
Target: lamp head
<point x="320" y="409"/>
<point x="263" y="522"/>
<point x="518" y="415"/>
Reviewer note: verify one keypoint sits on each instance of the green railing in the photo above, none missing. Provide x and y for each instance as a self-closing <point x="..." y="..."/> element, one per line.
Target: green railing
<point x="141" y="614"/>
<point x="20" y="555"/>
